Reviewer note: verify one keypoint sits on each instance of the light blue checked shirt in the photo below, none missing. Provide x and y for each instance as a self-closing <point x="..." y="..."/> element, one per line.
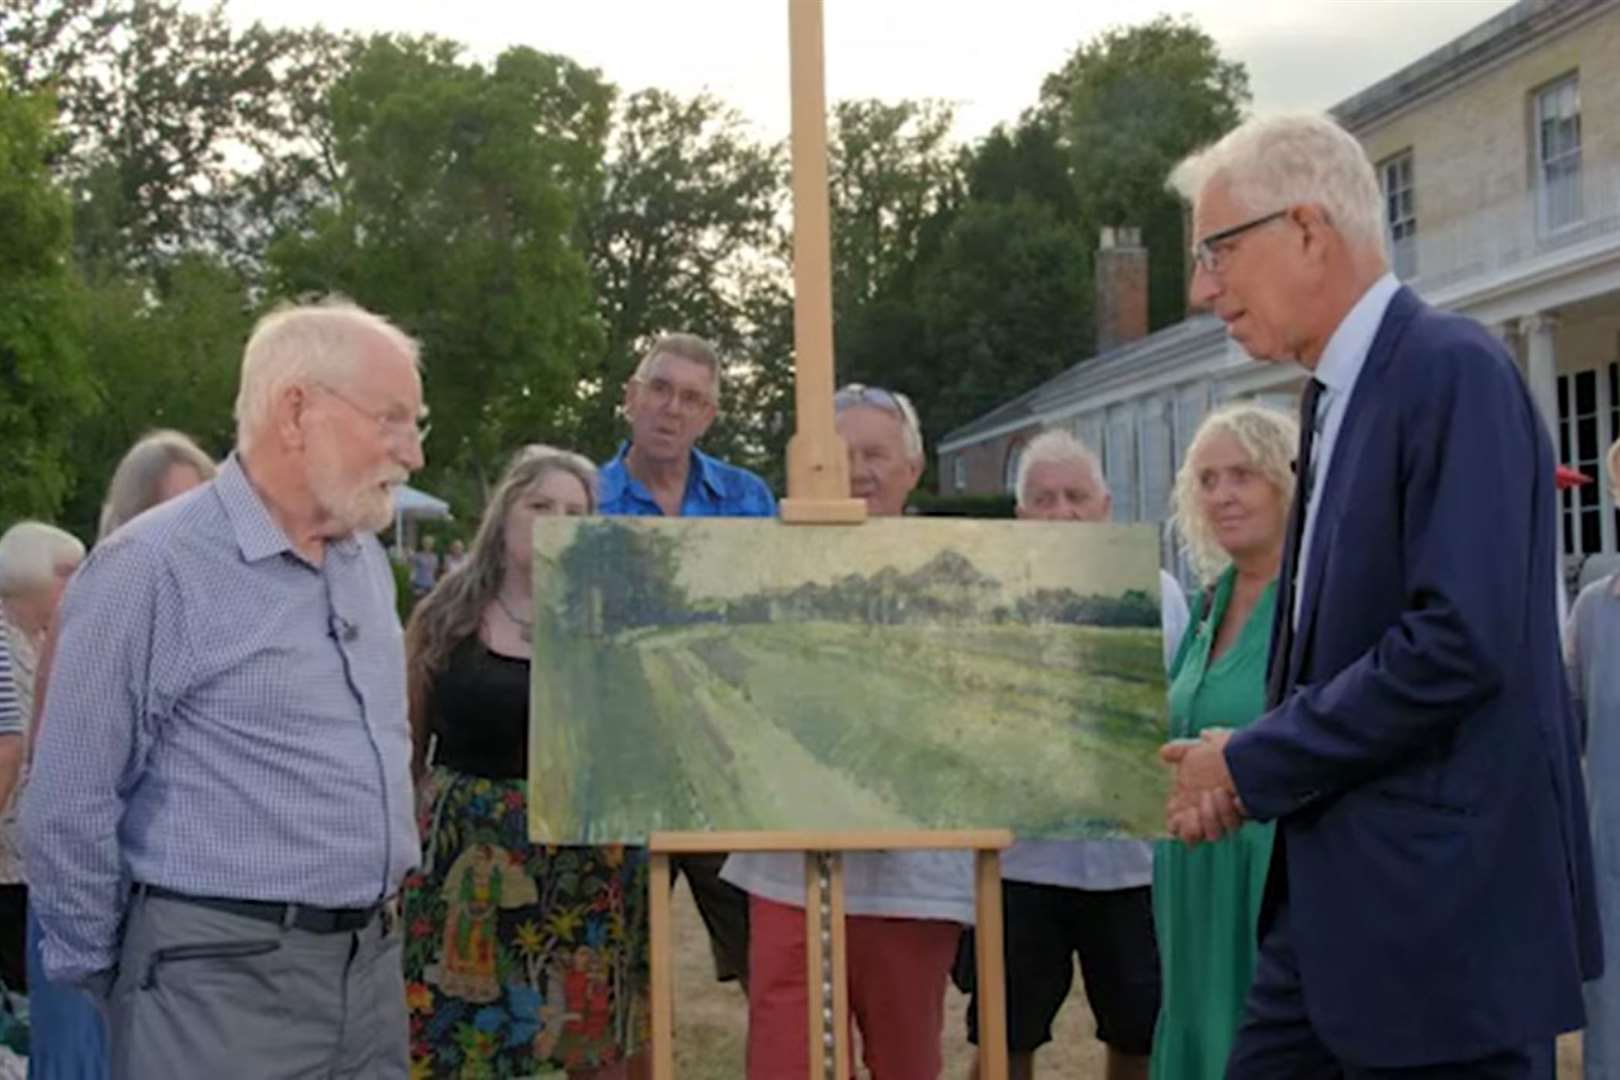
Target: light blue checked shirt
<point x="225" y="719"/>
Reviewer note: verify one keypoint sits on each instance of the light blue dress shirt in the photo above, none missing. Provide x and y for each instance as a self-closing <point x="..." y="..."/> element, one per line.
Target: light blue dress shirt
<point x="1337" y="371"/>
<point x="225" y="719"/>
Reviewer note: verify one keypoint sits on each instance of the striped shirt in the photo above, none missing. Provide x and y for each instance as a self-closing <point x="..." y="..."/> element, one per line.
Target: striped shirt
<point x="225" y="719"/>
<point x="11" y="716"/>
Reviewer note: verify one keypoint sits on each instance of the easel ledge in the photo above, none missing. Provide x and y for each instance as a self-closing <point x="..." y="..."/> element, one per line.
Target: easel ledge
<point x="699" y="843"/>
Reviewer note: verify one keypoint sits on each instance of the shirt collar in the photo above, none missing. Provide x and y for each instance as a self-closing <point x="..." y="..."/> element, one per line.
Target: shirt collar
<point x="257" y="534"/>
<point x="1347" y="349"/>
<point x="615" y="475"/>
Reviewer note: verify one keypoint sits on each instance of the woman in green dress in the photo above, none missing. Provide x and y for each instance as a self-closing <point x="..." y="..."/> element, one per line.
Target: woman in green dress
<point x="1231" y="509"/>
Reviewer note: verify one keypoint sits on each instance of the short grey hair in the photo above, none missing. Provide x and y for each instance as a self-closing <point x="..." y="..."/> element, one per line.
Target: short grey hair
<point x="1269" y="437"/>
<point x="893" y="402"/>
<point x="1274" y="162"/>
<point x="137" y="482"/>
<point x="306" y="343"/>
<point x="686" y="347"/>
<point x="1056" y="446"/>
<point x="30" y="552"/>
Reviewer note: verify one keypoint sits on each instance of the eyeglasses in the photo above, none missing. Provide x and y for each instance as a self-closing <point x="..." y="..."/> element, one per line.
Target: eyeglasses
<point x="660" y="391"/>
<point x="395" y="424"/>
<point x="1211" y="252"/>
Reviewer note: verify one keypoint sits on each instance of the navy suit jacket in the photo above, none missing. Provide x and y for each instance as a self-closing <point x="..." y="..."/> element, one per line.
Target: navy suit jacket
<point x="1422" y="763"/>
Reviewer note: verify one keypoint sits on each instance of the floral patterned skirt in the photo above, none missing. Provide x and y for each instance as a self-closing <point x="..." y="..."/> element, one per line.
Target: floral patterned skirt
<point x="519" y="959"/>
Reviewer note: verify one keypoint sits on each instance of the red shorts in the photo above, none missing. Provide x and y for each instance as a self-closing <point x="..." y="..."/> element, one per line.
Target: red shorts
<point x="897" y="974"/>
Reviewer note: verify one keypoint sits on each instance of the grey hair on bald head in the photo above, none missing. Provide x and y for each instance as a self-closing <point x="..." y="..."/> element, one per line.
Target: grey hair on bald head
<point x="1056" y="446"/>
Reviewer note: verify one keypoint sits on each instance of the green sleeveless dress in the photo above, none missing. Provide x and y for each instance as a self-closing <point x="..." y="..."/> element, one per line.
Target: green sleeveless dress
<point x="1206" y="899"/>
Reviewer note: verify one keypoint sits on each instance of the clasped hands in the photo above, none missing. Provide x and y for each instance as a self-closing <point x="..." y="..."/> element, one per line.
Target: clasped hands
<point x="1204" y="804"/>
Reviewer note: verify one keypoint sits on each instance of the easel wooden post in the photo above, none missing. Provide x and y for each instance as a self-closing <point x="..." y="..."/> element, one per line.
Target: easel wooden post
<point x="818" y="493"/>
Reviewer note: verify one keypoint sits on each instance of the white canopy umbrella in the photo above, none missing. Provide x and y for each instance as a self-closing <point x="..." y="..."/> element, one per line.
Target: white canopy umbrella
<point x="415" y="505"/>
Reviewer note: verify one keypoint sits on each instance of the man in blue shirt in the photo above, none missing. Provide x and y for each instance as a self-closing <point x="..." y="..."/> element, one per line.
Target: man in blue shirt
<point x="670" y="402"/>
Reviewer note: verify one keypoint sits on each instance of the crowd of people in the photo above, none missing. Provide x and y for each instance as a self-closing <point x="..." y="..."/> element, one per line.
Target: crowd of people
<point x="268" y="832"/>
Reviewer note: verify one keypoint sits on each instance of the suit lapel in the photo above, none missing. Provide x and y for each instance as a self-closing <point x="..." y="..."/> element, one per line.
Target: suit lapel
<point x="1347" y="448"/>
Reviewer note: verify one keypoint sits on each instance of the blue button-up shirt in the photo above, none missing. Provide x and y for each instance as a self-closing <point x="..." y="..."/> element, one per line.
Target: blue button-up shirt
<point x="225" y="719"/>
<point x="713" y="489"/>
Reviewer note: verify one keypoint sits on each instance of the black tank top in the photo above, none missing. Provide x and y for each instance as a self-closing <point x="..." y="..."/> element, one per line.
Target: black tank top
<point x="481" y="713"/>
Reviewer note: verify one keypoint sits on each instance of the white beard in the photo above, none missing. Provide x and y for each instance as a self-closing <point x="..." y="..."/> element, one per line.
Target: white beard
<point x="359" y="507"/>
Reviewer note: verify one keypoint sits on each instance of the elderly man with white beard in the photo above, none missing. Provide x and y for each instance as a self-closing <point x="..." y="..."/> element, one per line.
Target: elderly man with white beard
<point x="221" y="814"/>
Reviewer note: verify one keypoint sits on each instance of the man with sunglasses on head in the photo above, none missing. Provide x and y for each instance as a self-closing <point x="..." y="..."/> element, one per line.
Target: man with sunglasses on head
<point x="670" y="402"/>
<point x="1429" y="909"/>
<point x="905" y="908"/>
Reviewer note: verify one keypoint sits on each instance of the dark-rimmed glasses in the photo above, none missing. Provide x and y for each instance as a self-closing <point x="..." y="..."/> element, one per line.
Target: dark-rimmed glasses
<point x="1210" y="252"/>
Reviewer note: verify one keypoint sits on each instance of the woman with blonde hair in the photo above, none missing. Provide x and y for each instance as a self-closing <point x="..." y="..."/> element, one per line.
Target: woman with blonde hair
<point x="519" y="957"/>
<point x="1231" y="497"/>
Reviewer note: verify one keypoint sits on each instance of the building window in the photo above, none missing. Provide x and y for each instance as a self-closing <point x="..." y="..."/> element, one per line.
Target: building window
<point x="1119" y="462"/>
<point x="1558" y="153"/>
<point x="1157" y="459"/>
<point x="1400" y="212"/>
<point x="1588" y="423"/>
<point x="1009" y="476"/>
<point x="959" y="472"/>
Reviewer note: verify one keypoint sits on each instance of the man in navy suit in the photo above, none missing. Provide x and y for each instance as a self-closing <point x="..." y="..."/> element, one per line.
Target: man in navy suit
<point x="1429" y="911"/>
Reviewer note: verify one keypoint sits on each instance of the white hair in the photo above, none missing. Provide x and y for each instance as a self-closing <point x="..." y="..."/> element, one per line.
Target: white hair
<point x="893" y="402"/>
<point x="1056" y="446"/>
<point x="30" y="552"/>
<point x="306" y="343"/>
<point x="1275" y="162"/>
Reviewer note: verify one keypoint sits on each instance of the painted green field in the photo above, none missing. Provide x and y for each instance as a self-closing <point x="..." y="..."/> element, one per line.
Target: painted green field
<point x="1051" y="730"/>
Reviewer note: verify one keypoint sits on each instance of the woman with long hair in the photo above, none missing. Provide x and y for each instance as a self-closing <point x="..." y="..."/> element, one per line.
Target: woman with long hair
<point x="518" y="957"/>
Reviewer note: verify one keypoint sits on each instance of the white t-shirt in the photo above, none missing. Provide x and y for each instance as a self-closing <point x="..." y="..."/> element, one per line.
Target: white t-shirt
<point x="939" y="884"/>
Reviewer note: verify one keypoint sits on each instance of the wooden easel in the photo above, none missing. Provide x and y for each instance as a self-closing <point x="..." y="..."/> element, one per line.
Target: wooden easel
<point x="818" y="493"/>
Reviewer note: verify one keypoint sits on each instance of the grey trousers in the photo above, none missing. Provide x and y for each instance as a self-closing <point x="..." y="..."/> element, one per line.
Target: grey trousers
<point x="207" y="994"/>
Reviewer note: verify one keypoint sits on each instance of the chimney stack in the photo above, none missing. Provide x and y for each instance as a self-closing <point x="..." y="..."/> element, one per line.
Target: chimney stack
<point x="1122" y="287"/>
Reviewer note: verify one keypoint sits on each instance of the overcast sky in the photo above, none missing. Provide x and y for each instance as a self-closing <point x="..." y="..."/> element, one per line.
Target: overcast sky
<point x="986" y="58"/>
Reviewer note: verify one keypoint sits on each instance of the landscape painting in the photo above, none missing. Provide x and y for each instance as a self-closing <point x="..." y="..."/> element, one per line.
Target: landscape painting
<point x="731" y="674"/>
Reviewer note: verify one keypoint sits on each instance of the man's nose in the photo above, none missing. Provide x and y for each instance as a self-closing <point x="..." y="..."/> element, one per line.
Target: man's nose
<point x="1204" y="287"/>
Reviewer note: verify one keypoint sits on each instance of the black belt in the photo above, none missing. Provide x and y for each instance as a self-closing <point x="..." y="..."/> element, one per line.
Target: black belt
<point x="316" y="920"/>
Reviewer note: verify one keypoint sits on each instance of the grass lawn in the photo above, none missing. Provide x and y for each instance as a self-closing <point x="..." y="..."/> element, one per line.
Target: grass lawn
<point x="711" y="1021"/>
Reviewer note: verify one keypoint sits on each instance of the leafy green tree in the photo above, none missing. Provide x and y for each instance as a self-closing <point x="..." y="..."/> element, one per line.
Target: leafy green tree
<point x="45" y="385"/>
<point x="1127" y="105"/>
<point x="685" y="234"/>
<point x="1006" y="303"/>
<point x="167" y="112"/>
<point x="168" y="349"/>
<point x="457" y="192"/>
<point x="895" y="181"/>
